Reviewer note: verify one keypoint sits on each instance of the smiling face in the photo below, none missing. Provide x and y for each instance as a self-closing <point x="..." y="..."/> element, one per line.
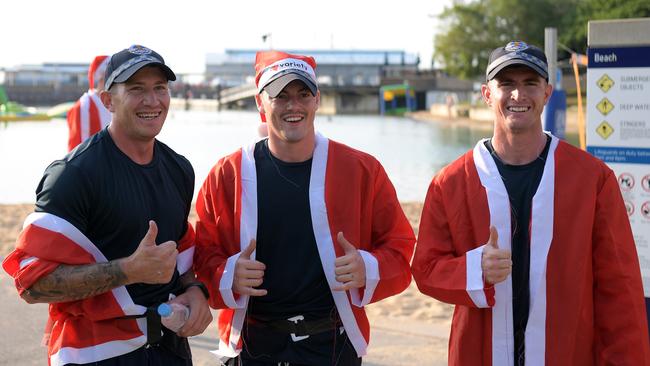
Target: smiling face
<point x="290" y="118"/>
<point x="139" y="106"/>
<point x="517" y="96"/>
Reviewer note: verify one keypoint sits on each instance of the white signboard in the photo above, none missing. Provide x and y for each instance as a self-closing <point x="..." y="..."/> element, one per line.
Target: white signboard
<point x="618" y="132"/>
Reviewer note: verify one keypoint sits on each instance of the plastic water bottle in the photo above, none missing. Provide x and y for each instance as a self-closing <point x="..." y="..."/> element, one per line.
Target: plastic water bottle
<point x="173" y="315"/>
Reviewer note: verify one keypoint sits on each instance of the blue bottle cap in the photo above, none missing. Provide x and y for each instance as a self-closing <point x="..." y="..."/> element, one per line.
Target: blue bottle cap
<point x="164" y="310"/>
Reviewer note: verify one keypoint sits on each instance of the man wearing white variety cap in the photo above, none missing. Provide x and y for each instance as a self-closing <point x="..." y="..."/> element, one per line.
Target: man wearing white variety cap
<point x="109" y="240"/>
<point x="297" y="233"/>
<point x="529" y="237"/>
<point x="88" y="115"/>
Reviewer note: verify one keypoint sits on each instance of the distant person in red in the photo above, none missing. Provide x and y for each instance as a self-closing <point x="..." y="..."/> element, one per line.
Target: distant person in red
<point x="88" y="115"/>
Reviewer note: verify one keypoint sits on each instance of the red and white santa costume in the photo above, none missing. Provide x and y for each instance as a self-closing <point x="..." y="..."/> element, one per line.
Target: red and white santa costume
<point x="349" y="192"/>
<point x="586" y="297"/>
<point x="88" y="115"/>
<point x="87" y="330"/>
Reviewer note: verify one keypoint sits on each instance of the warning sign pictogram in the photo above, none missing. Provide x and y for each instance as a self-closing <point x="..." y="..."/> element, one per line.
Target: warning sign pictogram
<point x="605" y="106"/>
<point x="605" y="130"/>
<point x="605" y="83"/>
<point x="626" y="181"/>
<point x="645" y="210"/>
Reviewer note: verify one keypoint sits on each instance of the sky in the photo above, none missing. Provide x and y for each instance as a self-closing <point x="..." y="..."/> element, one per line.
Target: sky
<point x="184" y="31"/>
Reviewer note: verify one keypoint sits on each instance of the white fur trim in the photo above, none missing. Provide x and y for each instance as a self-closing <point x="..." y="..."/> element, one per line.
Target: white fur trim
<point x="226" y="282"/>
<point x="184" y="260"/>
<point x="499" y="206"/>
<point x="372" y="279"/>
<point x="474" y="286"/>
<point x="325" y="244"/>
<point x="541" y="236"/>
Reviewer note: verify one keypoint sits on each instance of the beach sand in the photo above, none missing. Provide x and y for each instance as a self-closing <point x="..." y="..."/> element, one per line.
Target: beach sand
<point x="407" y="329"/>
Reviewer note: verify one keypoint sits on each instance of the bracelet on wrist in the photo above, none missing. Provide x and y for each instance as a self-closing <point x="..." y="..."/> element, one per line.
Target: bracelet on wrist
<point x="201" y="286"/>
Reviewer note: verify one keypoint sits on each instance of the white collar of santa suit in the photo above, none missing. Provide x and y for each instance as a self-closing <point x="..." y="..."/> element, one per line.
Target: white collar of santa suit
<point x="541" y="235"/>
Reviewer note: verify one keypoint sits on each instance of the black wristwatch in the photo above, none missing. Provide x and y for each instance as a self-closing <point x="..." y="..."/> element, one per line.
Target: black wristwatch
<point x="200" y="285"/>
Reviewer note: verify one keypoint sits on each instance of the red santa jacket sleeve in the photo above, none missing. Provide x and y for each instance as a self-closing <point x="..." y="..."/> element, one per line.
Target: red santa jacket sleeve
<point x="217" y="234"/>
<point x="621" y="330"/>
<point x="392" y="242"/>
<point x="363" y="205"/>
<point x="441" y="269"/>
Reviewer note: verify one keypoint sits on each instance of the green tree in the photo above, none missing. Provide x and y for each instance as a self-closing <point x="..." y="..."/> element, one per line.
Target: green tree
<point x="463" y="45"/>
<point x="471" y="30"/>
<point x="575" y="34"/>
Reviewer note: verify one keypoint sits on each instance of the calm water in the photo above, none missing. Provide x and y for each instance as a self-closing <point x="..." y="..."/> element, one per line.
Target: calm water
<point x="410" y="151"/>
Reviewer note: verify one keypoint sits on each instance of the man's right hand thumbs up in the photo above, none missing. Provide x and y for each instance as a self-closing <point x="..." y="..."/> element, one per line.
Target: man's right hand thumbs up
<point x="151" y="263"/>
<point x="496" y="263"/>
<point x="248" y="251"/>
<point x="249" y="273"/>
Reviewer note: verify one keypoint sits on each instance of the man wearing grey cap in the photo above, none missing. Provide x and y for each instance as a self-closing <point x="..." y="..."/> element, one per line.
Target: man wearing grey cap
<point x="109" y="240"/>
<point x="529" y="237"/>
<point x="297" y="233"/>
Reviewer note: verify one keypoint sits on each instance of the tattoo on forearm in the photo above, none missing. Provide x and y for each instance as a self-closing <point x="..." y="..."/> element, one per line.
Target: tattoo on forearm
<point x="69" y="283"/>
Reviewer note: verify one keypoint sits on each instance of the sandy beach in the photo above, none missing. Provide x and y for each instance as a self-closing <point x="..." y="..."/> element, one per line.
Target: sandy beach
<point x="408" y="329"/>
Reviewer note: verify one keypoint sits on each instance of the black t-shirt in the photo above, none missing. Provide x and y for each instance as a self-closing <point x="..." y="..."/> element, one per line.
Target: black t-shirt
<point x="286" y="244"/>
<point x="521" y="182"/>
<point x="110" y="198"/>
<point x="294" y="275"/>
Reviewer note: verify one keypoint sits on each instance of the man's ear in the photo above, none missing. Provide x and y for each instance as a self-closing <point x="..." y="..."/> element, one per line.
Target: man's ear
<point x="107" y="100"/>
<point x="258" y="101"/>
<point x="548" y="92"/>
<point x="487" y="94"/>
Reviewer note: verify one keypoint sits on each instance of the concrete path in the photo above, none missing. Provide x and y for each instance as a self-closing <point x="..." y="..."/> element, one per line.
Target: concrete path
<point x="394" y="342"/>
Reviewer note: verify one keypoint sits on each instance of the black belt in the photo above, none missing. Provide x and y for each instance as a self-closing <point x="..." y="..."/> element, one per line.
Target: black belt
<point x="298" y="327"/>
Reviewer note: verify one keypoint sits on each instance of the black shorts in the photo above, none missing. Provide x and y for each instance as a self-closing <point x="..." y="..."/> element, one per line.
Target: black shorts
<point x="265" y="347"/>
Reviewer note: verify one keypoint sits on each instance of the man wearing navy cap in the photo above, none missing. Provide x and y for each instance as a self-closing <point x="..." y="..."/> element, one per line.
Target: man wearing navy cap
<point x="529" y="238"/>
<point x="109" y="240"/>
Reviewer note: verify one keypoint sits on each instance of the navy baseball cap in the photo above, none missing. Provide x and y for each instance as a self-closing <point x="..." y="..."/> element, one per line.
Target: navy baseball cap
<point x="127" y="62"/>
<point x="517" y="53"/>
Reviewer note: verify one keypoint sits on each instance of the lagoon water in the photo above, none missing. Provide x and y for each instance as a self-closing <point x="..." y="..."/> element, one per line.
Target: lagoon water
<point x="410" y="151"/>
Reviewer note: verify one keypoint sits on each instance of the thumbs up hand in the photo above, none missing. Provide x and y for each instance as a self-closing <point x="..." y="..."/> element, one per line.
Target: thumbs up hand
<point x="249" y="273"/>
<point x="350" y="269"/>
<point x="496" y="263"/>
<point x="151" y="263"/>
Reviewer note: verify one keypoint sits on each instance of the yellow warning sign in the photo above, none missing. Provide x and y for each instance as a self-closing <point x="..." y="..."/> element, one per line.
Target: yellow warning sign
<point x="605" y="83"/>
<point x="605" y="130"/>
<point x="605" y="106"/>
